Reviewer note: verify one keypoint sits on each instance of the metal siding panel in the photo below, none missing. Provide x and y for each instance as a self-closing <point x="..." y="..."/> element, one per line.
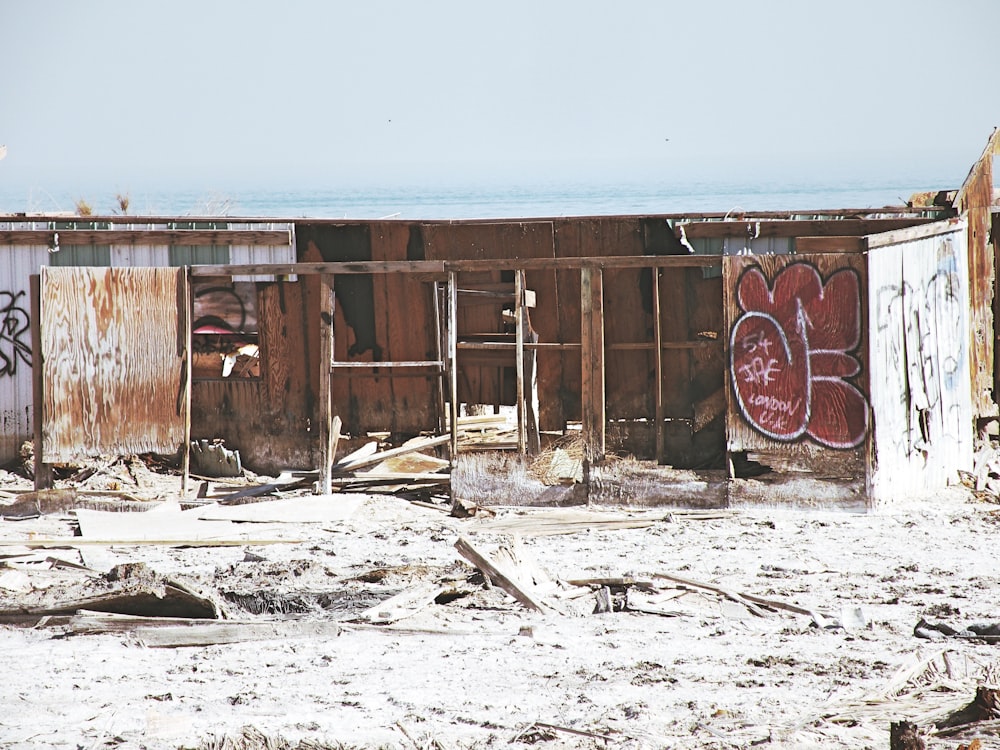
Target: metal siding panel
<point x="16" y="266"/>
<point x="81" y="255"/>
<point x="140" y="256"/>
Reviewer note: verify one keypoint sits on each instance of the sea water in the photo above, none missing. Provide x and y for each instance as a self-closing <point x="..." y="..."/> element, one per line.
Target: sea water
<point x="470" y="201"/>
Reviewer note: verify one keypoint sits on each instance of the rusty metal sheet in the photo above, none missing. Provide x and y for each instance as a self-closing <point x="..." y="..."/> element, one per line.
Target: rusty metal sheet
<point x="113" y="347"/>
<point x="976" y="200"/>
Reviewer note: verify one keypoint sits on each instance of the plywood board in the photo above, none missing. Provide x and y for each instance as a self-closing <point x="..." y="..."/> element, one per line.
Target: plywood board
<point x="113" y="349"/>
<point x="920" y="364"/>
<point x="309" y="509"/>
<point x="797" y="363"/>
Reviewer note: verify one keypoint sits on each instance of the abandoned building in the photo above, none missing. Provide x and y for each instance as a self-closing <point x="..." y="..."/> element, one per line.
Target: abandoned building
<point x="840" y="355"/>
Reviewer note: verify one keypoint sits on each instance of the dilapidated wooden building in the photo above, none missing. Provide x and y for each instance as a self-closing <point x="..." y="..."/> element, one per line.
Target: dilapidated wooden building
<point x="843" y="354"/>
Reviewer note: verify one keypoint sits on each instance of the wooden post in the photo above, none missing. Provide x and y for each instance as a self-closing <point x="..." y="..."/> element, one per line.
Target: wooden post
<point x="452" y="325"/>
<point x="325" y="416"/>
<point x="522" y="441"/>
<point x="184" y="324"/>
<point x="439" y="348"/>
<point x="658" y="335"/>
<point x="592" y="364"/>
<point x="42" y="470"/>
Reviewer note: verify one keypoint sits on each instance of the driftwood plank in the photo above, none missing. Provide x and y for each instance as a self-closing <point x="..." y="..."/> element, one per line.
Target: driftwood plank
<point x="402" y="605"/>
<point x="503" y="578"/>
<point x="308" y="509"/>
<point x="411" y="447"/>
<point x="216" y="633"/>
<point x="729" y="594"/>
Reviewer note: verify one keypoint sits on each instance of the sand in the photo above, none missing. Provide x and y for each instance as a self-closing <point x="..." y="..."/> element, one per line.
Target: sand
<point x="480" y="670"/>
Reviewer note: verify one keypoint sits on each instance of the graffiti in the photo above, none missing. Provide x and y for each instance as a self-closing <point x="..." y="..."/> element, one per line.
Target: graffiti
<point x="922" y="326"/>
<point x="792" y="351"/>
<point x="221" y="309"/>
<point x="14" y="324"/>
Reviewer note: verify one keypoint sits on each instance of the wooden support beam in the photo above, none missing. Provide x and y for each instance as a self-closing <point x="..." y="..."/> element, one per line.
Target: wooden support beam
<point x="440" y="346"/>
<point x="451" y="326"/>
<point x="796" y="228"/>
<point x="592" y="363"/>
<point x="438" y="269"/>
<point x="522" y="440"/>
<point x="198" y="237"/>
<point x="429" y="267"/>
<point x="834" y="244"/>
<point x="325" y="406"/>
<point x="184" y="333"/>
<point x="658" y="342"/>
<point x="42" y="470"/>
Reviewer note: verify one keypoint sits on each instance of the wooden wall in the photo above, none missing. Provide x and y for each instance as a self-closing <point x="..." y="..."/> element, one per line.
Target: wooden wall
<point x="797" y="369"/>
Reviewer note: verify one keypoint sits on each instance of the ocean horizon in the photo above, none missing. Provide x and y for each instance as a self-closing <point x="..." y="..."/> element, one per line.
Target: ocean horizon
<point x="479" y="201"/>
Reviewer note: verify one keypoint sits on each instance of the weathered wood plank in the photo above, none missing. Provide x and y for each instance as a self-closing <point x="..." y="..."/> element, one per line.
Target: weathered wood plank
<point x="438" y="269"/>
<point x="505" y="579"/>
<point x="411" y="447"/>
<point x="832" y="244"/>
<point x="592" y="359"/>
<point x="976" y="200"/>
<point x="113" y="362"/>
<point x="792" y="228"/>
<point x="325" y="416"/>
<point x="186" y="237"/>
<point x="797" y="359"/>
<point x="910" y="234"/>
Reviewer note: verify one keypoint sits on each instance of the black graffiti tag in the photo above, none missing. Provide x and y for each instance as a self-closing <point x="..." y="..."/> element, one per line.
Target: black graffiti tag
<point x="14" y="323"/>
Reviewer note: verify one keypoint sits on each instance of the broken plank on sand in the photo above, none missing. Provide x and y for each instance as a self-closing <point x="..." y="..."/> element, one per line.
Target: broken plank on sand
<point x="505" y="579"/>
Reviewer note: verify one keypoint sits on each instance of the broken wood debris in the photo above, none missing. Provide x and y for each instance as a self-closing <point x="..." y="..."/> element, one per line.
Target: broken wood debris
<point x="539" y="729"/>
<point x="750" y="601"/>
<point x="988" y="632"/>
<point x="136" y="590"/>
<point x="404" y="604"/>
<point x="504" y="575"/>
<point x="552" y="522"/>
<point x="164" y="632"/>
<point x="213" y="459"/>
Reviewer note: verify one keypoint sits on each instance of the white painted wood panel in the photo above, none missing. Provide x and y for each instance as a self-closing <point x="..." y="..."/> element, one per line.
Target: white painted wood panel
<point x="918" y="306"/>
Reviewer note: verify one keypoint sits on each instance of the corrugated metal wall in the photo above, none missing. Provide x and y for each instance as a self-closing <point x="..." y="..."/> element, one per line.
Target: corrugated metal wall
<point x="16" y="266"/>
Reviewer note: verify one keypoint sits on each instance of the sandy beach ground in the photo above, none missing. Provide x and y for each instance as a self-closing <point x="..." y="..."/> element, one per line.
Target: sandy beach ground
<point x="669" y="665"/>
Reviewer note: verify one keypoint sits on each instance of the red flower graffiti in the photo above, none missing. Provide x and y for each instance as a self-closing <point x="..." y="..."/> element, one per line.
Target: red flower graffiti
<point x="791" y="351"/>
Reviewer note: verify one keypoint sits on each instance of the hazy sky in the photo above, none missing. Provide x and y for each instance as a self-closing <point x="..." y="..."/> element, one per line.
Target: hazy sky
<point x="142" y="95"/>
